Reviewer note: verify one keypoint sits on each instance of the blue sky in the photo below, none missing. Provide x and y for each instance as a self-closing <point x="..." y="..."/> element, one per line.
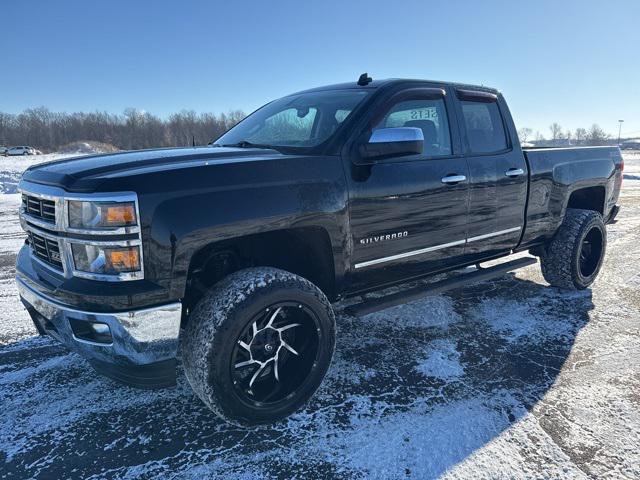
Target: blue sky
<point x="574" y="62"/>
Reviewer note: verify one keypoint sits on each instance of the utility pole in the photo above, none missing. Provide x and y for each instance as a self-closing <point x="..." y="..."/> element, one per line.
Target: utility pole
<point x="619" y="129"/>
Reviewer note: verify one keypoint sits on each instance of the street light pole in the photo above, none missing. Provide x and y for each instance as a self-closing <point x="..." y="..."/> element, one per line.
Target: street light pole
<point x="619" y="129"/>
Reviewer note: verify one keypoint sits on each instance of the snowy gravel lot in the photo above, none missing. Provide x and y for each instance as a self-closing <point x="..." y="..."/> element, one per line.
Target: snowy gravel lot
<point x="505" y="379"/>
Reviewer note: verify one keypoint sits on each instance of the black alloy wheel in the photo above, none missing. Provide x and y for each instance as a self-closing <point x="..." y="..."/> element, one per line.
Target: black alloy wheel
<point x="258" y="344"/>
<point x="275" y="353"/>
<point x="591" y="252"/>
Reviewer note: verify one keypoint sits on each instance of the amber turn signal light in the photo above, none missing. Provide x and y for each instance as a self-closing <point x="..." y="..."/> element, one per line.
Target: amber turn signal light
<point x="123" y="259"/>
<point x="123" y="214"/>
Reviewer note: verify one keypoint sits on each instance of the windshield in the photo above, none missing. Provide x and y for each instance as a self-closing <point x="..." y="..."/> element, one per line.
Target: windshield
<point x="304" y="120"/>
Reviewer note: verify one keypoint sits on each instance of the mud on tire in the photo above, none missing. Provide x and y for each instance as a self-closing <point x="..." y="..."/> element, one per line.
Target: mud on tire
<point x="572" y="259"/>
<point x="238" y="327"/>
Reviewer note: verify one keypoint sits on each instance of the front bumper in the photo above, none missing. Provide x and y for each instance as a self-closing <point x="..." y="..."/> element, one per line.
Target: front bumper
<point x="144" y="343"/>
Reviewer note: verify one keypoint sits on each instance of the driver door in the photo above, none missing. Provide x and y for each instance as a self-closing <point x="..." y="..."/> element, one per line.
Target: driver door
<point x="408" y="214"/>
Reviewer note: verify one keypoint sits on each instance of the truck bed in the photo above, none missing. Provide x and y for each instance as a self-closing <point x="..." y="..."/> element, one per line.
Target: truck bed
<point x="556" y="173"/>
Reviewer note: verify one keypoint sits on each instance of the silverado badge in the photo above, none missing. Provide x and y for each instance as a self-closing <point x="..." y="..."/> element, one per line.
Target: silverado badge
<point x="383" y="238"/>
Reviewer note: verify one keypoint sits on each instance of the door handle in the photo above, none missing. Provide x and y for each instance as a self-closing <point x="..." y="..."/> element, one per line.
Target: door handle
<point x="514" y="172"/>
<point x="453" y="179"/>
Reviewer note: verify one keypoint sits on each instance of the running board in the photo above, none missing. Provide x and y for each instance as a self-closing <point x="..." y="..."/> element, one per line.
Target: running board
<point x="413" y="294"/>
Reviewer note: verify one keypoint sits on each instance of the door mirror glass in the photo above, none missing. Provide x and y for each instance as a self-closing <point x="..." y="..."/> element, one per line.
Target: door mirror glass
<point x="392" y="142"/>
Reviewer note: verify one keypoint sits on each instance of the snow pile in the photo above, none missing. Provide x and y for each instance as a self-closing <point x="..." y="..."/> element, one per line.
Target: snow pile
<point x="87" y="148"/>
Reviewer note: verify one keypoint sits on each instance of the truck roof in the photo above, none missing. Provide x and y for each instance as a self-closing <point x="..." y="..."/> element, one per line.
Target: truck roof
<point x="395" y="81"/>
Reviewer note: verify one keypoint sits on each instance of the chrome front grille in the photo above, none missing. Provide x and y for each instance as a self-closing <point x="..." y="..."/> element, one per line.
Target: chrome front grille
<point x="46" y="250"/>
<point x="40" y="208"/>
<point x="44" y="216"/>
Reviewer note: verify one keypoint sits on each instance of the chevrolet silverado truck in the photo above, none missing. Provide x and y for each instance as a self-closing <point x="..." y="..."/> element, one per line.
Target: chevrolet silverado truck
<point x="230" y="256"/>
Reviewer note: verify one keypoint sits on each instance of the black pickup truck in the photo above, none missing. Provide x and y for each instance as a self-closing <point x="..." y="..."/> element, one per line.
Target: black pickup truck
<point x="233" y="253"/>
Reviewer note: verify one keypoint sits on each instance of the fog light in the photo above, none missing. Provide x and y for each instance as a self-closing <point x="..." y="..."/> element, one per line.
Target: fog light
<point x="100" y="328"/>
<point x="96" y="332"/>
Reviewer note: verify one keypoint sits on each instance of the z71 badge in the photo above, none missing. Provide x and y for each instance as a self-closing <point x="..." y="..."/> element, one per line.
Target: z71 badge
<point x="383" y="238"/>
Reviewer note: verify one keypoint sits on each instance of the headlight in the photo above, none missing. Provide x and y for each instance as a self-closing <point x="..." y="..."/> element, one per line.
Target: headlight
<point x="105" y="260"/>
<point x="97" y="215"/>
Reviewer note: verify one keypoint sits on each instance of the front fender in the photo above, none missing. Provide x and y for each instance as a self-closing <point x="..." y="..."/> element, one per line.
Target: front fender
<point x="306" y="192"/>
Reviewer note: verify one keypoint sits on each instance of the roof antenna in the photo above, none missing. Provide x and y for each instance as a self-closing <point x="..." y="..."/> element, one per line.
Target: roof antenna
<point x="364" y="79"/>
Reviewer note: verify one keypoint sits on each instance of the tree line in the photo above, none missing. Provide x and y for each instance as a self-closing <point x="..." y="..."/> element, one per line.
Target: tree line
<point x="131" y="130"/>
<point x="136" y="129"/>
<point x="580" y="136"/>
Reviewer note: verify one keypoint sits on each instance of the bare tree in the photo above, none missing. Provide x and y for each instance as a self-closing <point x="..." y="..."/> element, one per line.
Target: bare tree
<point x="524" y="133"/>
<point x="580" y="135"/>
<point x="556" y="131"/>
<point x="134" y="129"/>
<point x="597" y="136"/>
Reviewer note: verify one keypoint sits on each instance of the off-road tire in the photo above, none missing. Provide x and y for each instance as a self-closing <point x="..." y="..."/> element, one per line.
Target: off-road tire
<point x="560" y="258"/>
<point x="214" y="327"/>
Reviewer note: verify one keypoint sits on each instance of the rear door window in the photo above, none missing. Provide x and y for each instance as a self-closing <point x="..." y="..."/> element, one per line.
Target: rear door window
<point x="485" y="129"/>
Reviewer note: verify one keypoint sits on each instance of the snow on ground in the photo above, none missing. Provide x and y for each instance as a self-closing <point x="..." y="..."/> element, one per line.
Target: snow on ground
<point x="12" y="167"/>
<point x="504" y="379"/>
<point x="442" y="361"/>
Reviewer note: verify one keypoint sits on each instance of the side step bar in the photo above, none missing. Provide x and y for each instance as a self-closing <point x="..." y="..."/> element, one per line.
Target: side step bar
<point x="406" y="296"/>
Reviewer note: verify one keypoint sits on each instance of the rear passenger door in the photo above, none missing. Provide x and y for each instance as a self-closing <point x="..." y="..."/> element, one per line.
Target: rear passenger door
<point x="497" y="175"/>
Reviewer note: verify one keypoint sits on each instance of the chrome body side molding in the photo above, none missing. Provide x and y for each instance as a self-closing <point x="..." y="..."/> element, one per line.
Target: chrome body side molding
<point x="412" y="253"/>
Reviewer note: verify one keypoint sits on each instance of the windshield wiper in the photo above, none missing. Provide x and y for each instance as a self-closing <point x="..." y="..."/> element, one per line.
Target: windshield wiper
<point x="247" y="144"/>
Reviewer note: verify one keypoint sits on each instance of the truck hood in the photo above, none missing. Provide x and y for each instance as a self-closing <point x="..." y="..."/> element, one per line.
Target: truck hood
<point x="86" y="173"/>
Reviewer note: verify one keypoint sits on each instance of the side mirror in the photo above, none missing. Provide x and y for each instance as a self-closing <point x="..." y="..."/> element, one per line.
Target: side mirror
<point x="392" y="142"/>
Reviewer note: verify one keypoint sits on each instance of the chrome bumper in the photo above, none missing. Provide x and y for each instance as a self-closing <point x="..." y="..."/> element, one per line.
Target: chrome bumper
<point x="139" y="337"/>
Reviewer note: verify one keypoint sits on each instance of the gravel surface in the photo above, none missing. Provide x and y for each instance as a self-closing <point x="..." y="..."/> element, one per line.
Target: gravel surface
<point x="504" y="379"/>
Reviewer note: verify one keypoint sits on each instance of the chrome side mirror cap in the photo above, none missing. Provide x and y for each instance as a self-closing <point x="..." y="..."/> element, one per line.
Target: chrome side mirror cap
<point x="396" y="134"/>
<point x="392" y="142"/>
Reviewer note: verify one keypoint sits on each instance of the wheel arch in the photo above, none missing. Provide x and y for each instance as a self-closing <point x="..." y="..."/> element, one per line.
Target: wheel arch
<point x="588" y="198"/>
<point x="306" y="251"/>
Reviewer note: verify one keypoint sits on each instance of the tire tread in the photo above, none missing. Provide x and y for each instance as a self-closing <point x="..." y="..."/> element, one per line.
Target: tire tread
<point x="207" y="326"/>
<point x="556" y="261"/>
